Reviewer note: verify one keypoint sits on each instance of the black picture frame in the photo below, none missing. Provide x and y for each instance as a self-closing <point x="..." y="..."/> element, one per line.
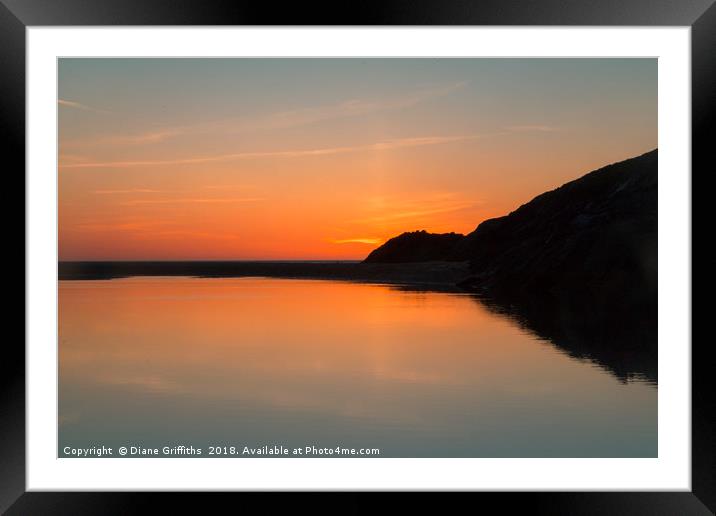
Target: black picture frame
<point x="17" y="15"/>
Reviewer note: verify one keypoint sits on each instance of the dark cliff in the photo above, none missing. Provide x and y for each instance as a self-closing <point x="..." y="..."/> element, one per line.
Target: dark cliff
<point x="577" y="264"/>
<point x="599" y="231"/>
<point x="416" y="246"/>
<point x="586" y="231"/>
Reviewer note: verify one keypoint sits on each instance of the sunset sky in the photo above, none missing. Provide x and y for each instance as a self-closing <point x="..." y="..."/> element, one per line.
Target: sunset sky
<point x="172" y="159"/>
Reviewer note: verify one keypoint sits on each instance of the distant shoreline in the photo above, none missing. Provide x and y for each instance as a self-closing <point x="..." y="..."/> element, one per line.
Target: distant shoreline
<point x="439" y="274"/>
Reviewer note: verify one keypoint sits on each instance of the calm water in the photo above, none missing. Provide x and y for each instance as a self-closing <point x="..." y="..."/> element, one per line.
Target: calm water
<point x="159" y="362"/>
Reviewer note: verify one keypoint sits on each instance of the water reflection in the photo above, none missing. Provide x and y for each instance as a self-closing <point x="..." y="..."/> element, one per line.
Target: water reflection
<point x="622" y="342"/>
<point x="166" y="361"/>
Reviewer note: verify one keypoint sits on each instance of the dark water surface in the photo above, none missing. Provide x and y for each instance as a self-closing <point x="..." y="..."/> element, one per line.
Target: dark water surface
<point x="170" y="361"/>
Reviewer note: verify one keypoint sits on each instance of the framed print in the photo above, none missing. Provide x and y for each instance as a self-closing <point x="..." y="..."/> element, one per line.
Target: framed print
<point x="437" y="248"/>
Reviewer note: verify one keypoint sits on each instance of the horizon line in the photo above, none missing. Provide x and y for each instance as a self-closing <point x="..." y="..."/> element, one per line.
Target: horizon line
<point x="220" y="260"/>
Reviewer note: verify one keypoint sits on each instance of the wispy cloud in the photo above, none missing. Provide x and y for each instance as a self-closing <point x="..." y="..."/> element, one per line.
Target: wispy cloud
<point x="144" y="138"/>
<point x="379" y="146"/>
<point x="355" y="107"/>
<point x="285" y="119"/>
<point x="180" y="233"/>
<point x="531" y="128"/>
<point x="127" y="191"/>
<point x="73" y="157"/>
<point x="371" y="241"/>
<point x="129" y="226"/>
<point x="229" y="187"/>
<point x="417" y="213"/>
<point x="145" y="383"/>
<point x="82" y="107"/>
<point x="388" y="211"/>
<point x="148" y="230"/>
<point x="199" y="200"/>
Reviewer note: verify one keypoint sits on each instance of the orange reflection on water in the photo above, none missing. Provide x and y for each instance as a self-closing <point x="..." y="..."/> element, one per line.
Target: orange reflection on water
<point x="436" y="365"/>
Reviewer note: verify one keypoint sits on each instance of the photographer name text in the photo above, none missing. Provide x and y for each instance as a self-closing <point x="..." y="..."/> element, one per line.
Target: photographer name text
<point x="275" y="450"/>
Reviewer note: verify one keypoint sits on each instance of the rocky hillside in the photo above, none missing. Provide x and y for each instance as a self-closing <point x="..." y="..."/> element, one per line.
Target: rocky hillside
<point x="416" y="246"/>
<point x="599" y="230"/>
<point x="577" y="265"/>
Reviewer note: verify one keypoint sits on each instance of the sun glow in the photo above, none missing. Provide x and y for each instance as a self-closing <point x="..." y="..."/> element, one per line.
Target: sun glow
<point x="325" y="159"/>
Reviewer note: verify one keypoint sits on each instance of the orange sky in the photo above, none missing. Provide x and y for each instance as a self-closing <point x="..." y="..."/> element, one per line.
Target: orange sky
<point x="322" y="158"/>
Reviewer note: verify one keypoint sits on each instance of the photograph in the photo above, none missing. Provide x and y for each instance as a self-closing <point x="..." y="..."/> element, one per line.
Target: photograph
<point x="432" y="249"/>
<point x="357" y="257"/>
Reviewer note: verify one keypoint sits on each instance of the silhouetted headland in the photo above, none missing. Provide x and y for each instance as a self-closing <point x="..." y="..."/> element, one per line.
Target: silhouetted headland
<point x="416" y="246"/>
<point x="577" y="265"/>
